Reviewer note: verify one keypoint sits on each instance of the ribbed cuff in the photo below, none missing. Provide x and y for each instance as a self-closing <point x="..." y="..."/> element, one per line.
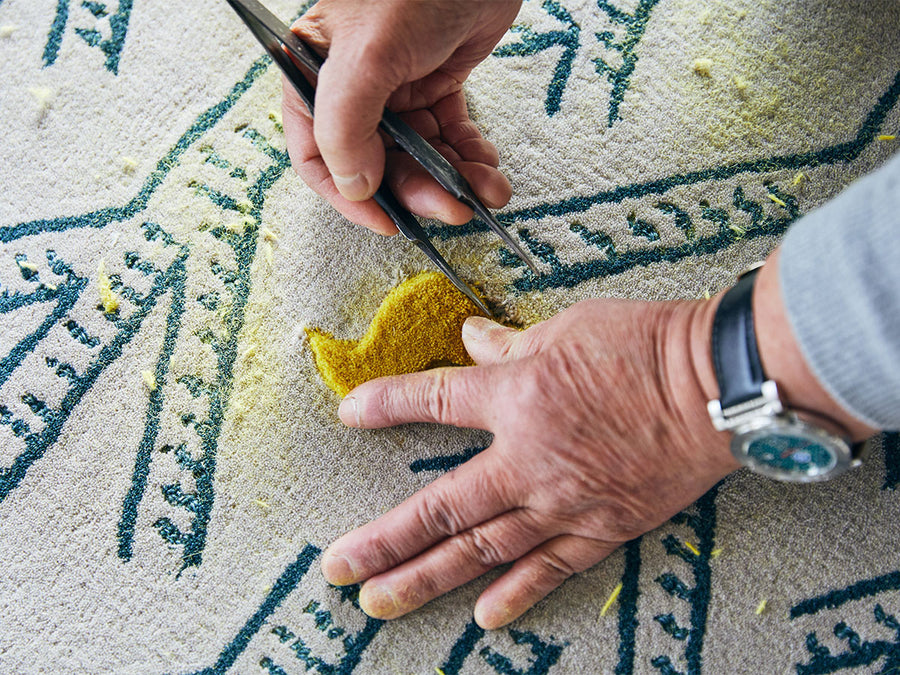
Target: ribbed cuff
<point x="840" y="279"/>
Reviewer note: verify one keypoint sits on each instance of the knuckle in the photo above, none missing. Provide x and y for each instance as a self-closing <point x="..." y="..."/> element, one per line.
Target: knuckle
<point x="554" y="567"/>
<point x="383" y="553"/>
<point x="436" y="519"/>
<point x="484" y="551"/>
<point x="313" y="27"/>
<point x="439" y="401"/>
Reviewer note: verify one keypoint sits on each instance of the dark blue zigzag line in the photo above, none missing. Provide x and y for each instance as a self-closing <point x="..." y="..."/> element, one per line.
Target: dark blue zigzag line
<point x="218" y="404"/>
<point x="203" y="123"/>
<point x="704" y="524"/>
<point x="67" y="296"/>
<point x="841" y="152"/>
<point x="857" y="591"/>
<point x="286" y="583"/>
<point x="17" y="300"/>
<point x="891" y="444"/>
<point x="175" y="282"/>
<point x="103" y="217"/>
<point x="702" y="591"/>
<point x="628" y="598"/>
<point x="37" y="444"/>
<point x="244" y="253"/>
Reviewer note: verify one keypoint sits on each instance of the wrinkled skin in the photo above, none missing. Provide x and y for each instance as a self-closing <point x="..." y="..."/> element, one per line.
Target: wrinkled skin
<point x="600" y="434"/>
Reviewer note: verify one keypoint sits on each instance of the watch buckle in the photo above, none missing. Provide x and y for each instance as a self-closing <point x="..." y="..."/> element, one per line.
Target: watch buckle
<point x="747" y="413"/>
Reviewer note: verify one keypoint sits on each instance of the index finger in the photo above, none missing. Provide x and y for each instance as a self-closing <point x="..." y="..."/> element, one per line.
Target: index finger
<point x="475" y="492"/>
<point x="458" y="396"/>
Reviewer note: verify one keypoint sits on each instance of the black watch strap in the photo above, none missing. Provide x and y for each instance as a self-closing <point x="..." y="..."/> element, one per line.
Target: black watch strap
<point x="735" y="354"/>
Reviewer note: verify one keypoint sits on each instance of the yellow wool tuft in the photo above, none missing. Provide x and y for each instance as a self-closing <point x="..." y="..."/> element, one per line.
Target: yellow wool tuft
<point x="611" y="599"/>
<point x="108" y="298"/>
<point x="887" y="137"/>
<point x="418" y="326"/>
<point x="149" y="379"/>
<point x="239" y="226"/>
<point x="702" y="67"/>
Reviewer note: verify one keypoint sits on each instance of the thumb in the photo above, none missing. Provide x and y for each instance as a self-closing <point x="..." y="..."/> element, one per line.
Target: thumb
<point x="350" y="97"/>
<point x="488" y="342"/>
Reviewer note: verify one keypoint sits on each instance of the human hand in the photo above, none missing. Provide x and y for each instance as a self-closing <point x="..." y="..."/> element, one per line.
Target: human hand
<point x="413" y="58"/>
<point x="600" y="434"/>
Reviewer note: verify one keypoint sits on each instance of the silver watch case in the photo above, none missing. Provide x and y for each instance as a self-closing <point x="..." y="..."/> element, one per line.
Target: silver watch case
<point x="766" y="416"/>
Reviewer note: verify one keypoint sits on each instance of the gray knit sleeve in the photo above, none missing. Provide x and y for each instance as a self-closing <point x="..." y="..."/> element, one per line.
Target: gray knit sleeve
<point x="840" y="276"/>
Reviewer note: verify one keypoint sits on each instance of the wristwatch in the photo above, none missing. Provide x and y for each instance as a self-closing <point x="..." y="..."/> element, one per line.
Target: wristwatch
<point x="790" y="445"/>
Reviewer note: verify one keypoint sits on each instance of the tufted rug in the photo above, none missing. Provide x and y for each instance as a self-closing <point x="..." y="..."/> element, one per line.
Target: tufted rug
<point x="171" y="462"/>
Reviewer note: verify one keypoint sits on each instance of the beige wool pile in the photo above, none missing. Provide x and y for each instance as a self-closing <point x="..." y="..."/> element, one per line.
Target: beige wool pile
<point x="171" y="462"/>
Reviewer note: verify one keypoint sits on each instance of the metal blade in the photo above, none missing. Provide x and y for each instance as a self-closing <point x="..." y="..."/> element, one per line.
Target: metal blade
<point x="482" y="212"/>
<point x="449" y="178"/>
<point x="410" y="228"/>
<point x="428" y="249"/>
<point x="264" y="19"/>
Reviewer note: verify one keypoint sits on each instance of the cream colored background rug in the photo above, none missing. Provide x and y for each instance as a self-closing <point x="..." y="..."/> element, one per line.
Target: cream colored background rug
<point x="171" y="463"/>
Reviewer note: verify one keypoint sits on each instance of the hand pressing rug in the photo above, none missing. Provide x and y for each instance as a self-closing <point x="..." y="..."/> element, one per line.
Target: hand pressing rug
<point x="174" y="304"/>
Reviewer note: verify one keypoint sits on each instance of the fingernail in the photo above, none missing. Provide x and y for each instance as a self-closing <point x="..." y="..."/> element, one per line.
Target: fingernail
<point x="338" y="569"/>
<point x="354" y="188"/>
<point x="348" y="411"/>
<point x="379" y="602"/>
<point x="491" y="618"/>
<point x="477" y="327"/>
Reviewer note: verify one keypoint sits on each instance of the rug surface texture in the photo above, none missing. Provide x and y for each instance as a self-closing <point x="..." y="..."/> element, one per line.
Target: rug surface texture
<point x="171" y="461"/>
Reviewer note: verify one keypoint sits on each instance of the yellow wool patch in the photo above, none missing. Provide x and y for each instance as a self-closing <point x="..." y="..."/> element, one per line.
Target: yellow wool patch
<point x="418" y="326"/>
<point x="149" y="379"/>
<point x="108" y="298"/>
<point x="702" y="67"/>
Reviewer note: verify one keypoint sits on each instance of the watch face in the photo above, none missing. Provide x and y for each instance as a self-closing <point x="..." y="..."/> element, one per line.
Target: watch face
<point x="789" y="449"/>
<point x="791" y="453"/>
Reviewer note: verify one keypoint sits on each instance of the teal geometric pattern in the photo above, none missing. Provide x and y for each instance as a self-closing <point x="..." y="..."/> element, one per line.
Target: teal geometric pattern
<point x="285" y="645"/>
<point x="533" y="43"/>
<point x="239" y="192"/>
<point x="857" y="652"/>
<point x="569" y="39"/>
<point x="686" y="641"/>
<point x="200" y="433"/>
<point x="707" y="228"/>
<point x="105" y="31"/>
